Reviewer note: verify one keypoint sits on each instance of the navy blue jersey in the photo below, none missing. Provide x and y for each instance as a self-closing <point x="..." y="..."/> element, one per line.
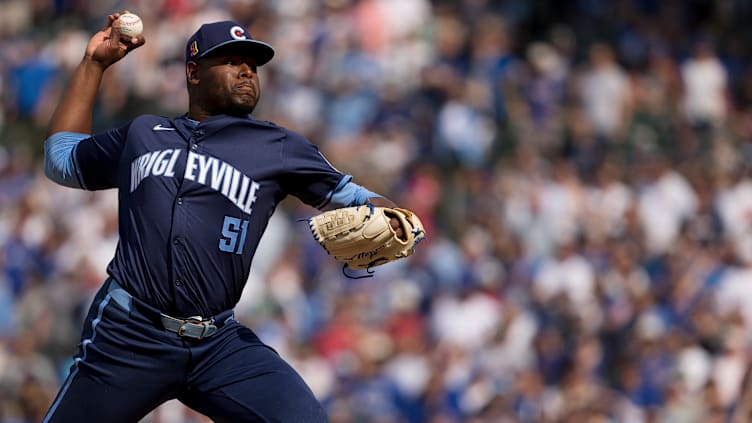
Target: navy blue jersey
<point x="195" y="200"/>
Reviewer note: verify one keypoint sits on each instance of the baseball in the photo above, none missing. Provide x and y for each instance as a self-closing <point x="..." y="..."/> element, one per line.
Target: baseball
<point x="130" y="25"/>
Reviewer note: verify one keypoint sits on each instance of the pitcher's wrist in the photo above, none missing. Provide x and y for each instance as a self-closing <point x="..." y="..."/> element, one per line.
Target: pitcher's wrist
<point x="89" y="62"/>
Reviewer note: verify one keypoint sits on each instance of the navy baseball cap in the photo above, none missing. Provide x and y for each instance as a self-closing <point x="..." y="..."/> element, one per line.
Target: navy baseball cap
<point x="212" y="36"/>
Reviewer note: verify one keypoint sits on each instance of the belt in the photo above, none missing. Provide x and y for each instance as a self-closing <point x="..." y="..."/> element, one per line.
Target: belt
<point x="196" y="327"/>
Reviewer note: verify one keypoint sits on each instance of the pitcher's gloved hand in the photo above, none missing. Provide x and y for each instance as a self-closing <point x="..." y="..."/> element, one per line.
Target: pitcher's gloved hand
<point x="366" y="236"/>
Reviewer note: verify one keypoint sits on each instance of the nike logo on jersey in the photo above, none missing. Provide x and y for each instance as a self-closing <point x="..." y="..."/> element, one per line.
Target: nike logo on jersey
<point x="159" y="127"/>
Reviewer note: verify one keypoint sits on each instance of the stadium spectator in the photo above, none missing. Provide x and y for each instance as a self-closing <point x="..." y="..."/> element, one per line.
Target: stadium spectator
<point x="581" y="169"/>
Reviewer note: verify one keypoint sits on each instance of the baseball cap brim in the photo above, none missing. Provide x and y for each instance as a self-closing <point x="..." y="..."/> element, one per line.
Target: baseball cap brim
<point x="259" y="50"/>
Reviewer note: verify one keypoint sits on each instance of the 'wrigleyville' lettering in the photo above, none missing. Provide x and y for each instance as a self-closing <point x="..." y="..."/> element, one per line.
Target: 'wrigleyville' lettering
<point x="216" y="174"/>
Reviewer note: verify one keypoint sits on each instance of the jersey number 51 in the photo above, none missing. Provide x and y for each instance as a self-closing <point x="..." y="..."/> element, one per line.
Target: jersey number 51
<point x="233" y="235"/>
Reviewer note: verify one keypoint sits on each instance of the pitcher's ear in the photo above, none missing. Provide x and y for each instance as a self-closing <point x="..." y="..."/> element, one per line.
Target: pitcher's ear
<point x="191" y="73"/>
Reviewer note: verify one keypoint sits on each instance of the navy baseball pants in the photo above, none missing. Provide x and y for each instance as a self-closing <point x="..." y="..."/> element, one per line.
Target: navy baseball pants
<point x="128" y="364"/>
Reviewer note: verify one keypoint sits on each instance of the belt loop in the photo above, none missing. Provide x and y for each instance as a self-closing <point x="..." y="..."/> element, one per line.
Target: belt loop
<point x="206" y="327"/>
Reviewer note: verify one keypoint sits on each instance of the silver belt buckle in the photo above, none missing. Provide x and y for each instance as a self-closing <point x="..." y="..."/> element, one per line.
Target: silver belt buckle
<point x="196" y="321"/>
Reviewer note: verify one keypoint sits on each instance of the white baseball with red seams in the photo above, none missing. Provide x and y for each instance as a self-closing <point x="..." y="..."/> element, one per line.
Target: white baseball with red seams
<point x="130" y="25"/>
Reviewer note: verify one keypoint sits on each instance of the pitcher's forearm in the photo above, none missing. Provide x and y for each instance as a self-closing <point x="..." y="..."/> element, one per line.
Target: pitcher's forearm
<point x="74" y="111"/>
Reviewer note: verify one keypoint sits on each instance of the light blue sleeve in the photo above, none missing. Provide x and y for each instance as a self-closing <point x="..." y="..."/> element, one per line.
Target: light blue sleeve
<point x="59" y="161"/>
<point x="348" y="194"/>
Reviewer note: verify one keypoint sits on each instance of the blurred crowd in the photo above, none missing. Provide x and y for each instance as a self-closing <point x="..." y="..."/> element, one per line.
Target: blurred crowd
<point x="582" y="168"/>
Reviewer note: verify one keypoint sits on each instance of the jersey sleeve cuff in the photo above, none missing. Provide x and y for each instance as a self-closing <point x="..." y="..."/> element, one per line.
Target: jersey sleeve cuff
<point x="59" y="160"/>
<point x="348" y="194"/>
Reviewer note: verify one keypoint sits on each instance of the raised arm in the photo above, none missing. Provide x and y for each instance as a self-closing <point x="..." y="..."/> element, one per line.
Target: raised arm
<point x="71" y="121"/>
<point x="74" y="111"/>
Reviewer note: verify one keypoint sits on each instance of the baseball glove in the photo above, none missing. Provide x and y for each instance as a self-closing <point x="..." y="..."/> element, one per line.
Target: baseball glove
<point x="363" y="237"/>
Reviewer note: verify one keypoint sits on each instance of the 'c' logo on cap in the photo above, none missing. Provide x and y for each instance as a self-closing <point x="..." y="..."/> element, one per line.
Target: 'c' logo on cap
<point x="237" y="33"/>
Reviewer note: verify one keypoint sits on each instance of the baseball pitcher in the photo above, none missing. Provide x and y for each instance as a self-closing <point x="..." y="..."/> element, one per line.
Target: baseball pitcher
<point x="195" y="195"/>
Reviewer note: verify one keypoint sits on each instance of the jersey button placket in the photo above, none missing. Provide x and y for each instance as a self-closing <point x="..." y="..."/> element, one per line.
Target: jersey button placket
<point x="197" y="136"/>
<point x="177" y="240"/>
